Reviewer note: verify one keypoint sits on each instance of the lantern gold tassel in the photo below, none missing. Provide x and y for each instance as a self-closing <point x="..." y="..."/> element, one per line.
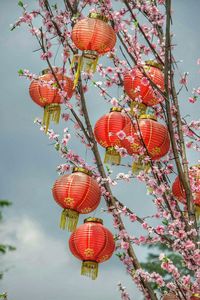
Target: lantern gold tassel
<point x="112" y="156"/>
<point x="69" y="219"/>
<point x="87" y="62"/>
<point x="51" y="112"/>
<point x="140" y="165"/>
<point x="78" y="71"/>
<point x="197" y="212"/>
<point x="90" y="269"/>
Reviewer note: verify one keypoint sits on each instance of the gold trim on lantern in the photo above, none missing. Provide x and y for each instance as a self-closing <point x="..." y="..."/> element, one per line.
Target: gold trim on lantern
<point x="45" y="71"/>
<point x="90" y="54"/>
<point x="48" y="70"/>
<point x="51" y="113"/>
<point x="82" y="170"/>
<point x="98" y="16"/>
<point x="117" y="109"/>
<point x="94" y="220"/>
<point x="197" y="212"/>
<point x="148" y="116"/>
<point x="154" y="63"/>
<point x="69" y="219"/>
<point x="112" y="156"/>
<point x="196" y="295"/>
<point x="140" y="106"/>
<point x="140" y="165"/>
<point x="90" y="268"/>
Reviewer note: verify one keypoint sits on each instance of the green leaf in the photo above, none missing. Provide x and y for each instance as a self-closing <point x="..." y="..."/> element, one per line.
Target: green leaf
<point x="165" y="222"/>
<point x="21" y="4"/>
<point x="55" y="6"/>
<point x="20" y="72"/>
<point x="57" y="146"/>
<point x="55" y="85"/>
<point x="135" y="23"/>
<point x="4" y="203"/>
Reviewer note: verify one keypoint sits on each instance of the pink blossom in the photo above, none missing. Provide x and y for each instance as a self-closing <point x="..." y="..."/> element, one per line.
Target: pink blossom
<point x="192" y="99"/>
<point x="124" y="245"/>
<point x="133" y="217"/>
<point x="46" y="55"/>
<point x="65" y="117"/>
<point x="121" y="134"/>
<point x="145" y="81"/>
<point x="160" y="229"/>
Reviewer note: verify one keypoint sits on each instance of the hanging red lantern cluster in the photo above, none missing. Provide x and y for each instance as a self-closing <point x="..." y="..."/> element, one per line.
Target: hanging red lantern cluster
<point x="105" y="131"/>
<point x="179" y="192"/>
<point x="93" y="244"/>
<point x="94" y="37"/>
<point x="77" y="193"/>
<point x="137" y="85"/>
<point x="47" y="96"/>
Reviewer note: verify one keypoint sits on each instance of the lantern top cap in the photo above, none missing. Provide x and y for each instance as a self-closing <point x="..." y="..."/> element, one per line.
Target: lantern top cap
<point x="82" y="170"/>
<point x="94" y="220"/>
<point x="98" y="16"/>
<point x="117" y="109"/>
<point x="148" y="116"/>
<point x="196" y="295"/>
<point x="48" y="70"/>
<point x="45" y="71"/>
<point x="154" y="63"/>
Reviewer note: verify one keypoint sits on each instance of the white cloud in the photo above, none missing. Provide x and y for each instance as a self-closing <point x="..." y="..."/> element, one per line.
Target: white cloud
<point x="33" y="245"/>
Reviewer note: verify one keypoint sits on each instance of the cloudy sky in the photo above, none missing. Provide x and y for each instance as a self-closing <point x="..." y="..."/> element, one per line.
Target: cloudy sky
<point x="42" y="267"/>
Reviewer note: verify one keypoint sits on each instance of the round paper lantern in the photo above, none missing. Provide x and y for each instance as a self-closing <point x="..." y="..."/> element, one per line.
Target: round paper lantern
<point x="93" y="244"/>
<point x="94" y="37"/>
<point x="105" y="131"/>
<point x="155" y="137"/>
<point x="137" y="85"/>
<point x="77" y="193"/>
<point x="44" y="93"/>
<point x="170" y="296"/>
<point x="178" y="190"/>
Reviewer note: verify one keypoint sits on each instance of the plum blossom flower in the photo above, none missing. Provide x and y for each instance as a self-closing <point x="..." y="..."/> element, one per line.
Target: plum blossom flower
<point x="145" y="81"/>
<point x="124" y="245"/>
<point x="46" y="55"/>
<point x="121" y="134"/>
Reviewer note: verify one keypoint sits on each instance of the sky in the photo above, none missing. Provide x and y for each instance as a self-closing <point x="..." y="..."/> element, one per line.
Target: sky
<point x="42" y="267"/>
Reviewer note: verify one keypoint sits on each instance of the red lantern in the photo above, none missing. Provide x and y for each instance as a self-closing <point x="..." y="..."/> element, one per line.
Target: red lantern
<point x="155" y="137"/>
<point x="179" y="193"/>
<point x="93" y="244"/>
<point x="94" y="36"/>
<point x="195" y="297"/>
<point x="48" y="97"/>
<point x="137" y="85"/>
<point x="105" y="131"/>
<point x="77" y="193"/>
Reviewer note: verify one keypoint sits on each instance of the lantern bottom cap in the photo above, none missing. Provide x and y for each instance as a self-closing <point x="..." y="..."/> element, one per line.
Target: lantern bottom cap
<point x="69" y="219"/>
<point x="90" y="54"/>
<point x="89" y="268"/>
<point x="112" y="156"/>
<point x="140" y="165"/>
